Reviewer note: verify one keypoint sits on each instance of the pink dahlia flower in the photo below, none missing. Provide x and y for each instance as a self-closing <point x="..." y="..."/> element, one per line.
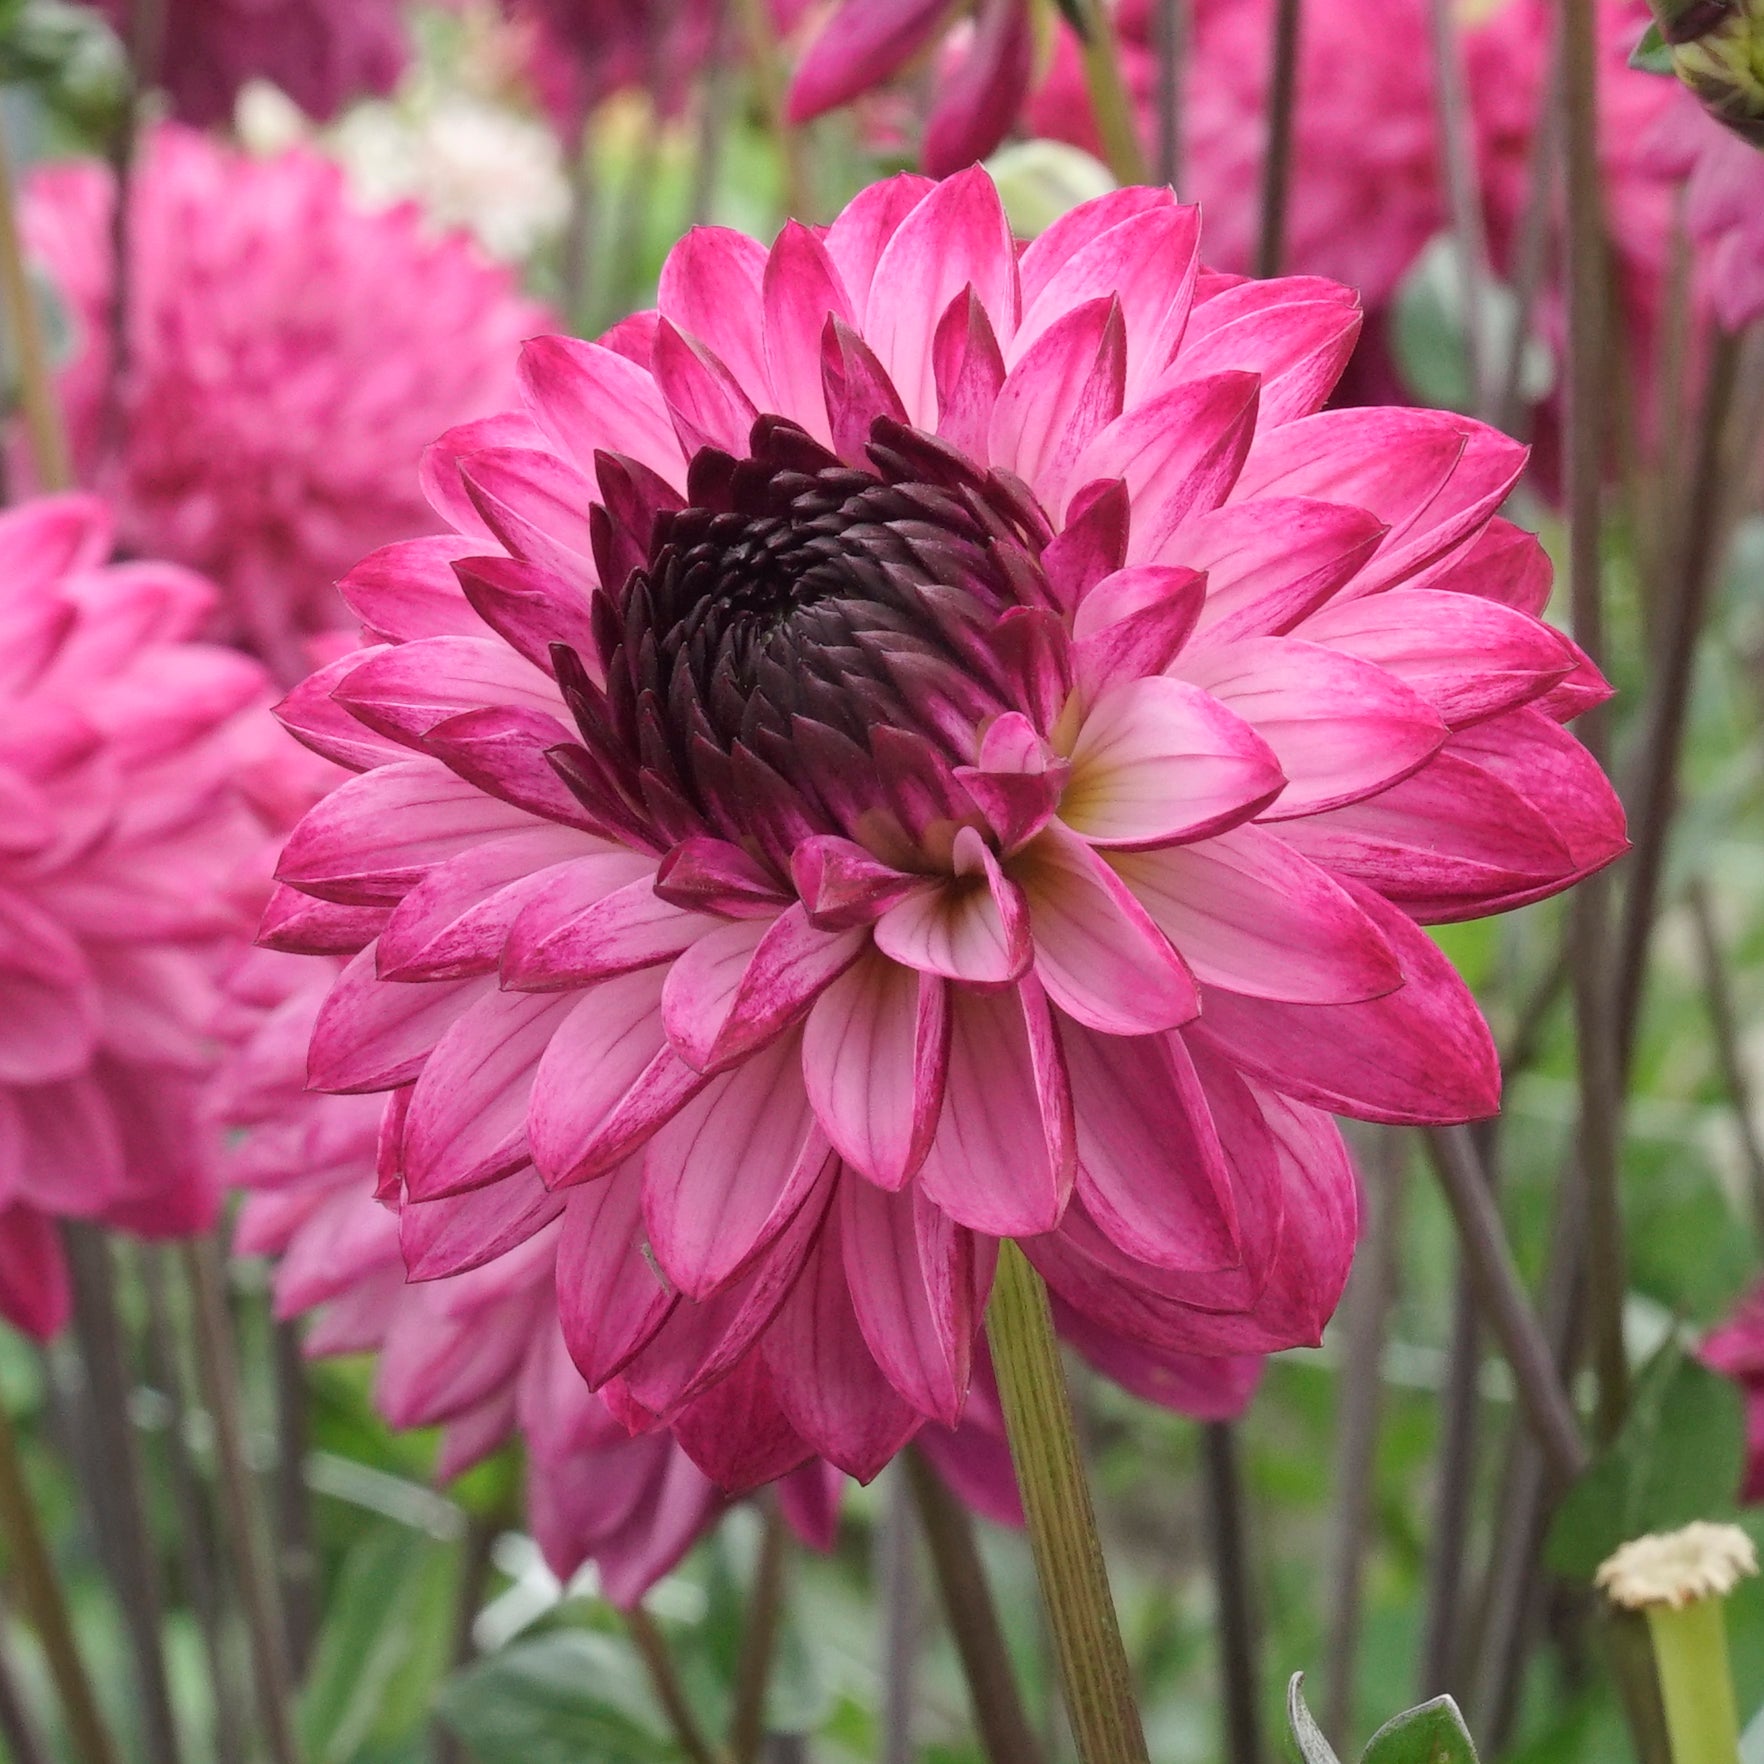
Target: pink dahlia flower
<point x="121" y="741"/>
<point x="1736" y="1350"/>
<point x="982" y="71"/>
<point x="1724" y="208"/>
<point x="289" y="352"/>
<point x="914" y="743"/>
<point x="321" y="53"/>
<point x="479" y="1353"/>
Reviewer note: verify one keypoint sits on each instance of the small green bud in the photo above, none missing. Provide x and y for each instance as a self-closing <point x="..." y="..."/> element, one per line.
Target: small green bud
<point x="1717" y="49"/>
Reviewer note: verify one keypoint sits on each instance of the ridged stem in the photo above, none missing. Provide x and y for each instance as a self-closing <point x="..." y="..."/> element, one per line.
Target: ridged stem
<point x="1062" y="1522"/>
<point x="1277" y="156"/>
<point x="24" y="326"/>
<point x="1100" y="51"/>
<point x="1696" y="1684"/>
<point x="1240" y="1671"/>
<point x="40" y="1592"/>
<point x="664" y="1680"/>
<point x="759" y="1640"/>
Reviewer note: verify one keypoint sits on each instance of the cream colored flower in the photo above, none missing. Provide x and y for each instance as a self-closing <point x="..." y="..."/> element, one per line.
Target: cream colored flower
<point x="1677" y="1568"/>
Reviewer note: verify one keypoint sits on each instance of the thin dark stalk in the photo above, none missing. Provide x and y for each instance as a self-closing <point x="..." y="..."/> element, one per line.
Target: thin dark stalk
<point x="1005" y="1733"/>
<point x="1170" y="21"/>
<point x="897" y="1579"/>
<point x="40" y="1592"/>
<point x="477" y="1564"/>
<point x="134" y="1561"/>
<point x="1599" y="1062"/>
<point x="581" y="295"/>
<point x="1239" y="1651"/>
<point x="759" y="1638"/>
<point x="1532" y="250"/>
<point x="1489" y="1261"/>
<point x="1686" y="593"/>
<point x="715" y="103"/>
<point x="1360" y="1409"/>
<point x="257" y="1582"/>
<point x="23" y="1745"/>
<point x="1727" y="1051"/>
<point x="1454" y="1499"/>
<point x="1526" y="1041"/>
<point x="199" y="1558"/>
<point x="1277" y="157"/>
<point x="664" y="1680"/>
<point x="296" y="1557"/>
<point x="1457" y="151"/>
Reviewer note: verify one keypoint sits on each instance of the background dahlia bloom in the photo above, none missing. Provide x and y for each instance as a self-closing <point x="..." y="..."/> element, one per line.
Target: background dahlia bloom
<point x="321" y="53"/>
<point x="288" y="351"/>
<point x="479" y="1353"/>
<point x="1736" y="1350"/>
<point x="1724" y="208"/>
<point x="910" y="744"/>
<point x="120" y="827"/>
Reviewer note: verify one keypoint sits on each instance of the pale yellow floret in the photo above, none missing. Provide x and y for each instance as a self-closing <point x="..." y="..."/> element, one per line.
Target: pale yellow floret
<point x="1678" y="1568"/>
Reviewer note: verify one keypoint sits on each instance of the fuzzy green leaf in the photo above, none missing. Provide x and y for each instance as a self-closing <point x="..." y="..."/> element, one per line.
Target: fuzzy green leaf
<point x="1432" y="1734"/>
<point x="1313" y="1748"/>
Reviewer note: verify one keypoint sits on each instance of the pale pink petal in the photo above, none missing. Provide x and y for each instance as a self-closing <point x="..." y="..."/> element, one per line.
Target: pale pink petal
<point x="373" y="1034"/>
<point x="973" y="926"/>
<point x="801" y="288"/>
<point x="589" y="400"/>
<point x="611" y="1298"/>
<point x="712" y="288"/>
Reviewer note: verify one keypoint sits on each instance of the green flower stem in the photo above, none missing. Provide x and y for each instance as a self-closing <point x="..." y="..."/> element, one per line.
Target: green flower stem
<point x="24" y="330"/>
<point x="1696" y="1687"/>
<point x="1108" y="94"/>
<point x="1062" y="1522"/>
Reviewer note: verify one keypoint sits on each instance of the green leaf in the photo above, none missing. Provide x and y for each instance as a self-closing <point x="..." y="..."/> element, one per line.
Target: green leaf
<point x="1432" y="1734"/>
<point x="563" y="1698"/>
<point x="1653" y="54"/>
<point x="1678" y="1458"/>
<point x="1307" y="1735"/>
<point x="383" y="1646"/>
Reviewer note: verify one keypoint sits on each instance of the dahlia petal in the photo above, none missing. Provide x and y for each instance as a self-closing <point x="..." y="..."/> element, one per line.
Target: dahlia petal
<point x="506" y="751"/>
<point x="1506" y="564"/>
<point x="969" y="369"/>
<point x="976" y="1467"/>
<point x="1180" y="453"/>
<point x="526" y="606"/>
<point x="712" y="287"/>
<point x="715" y="876"/>
<point x="36" y="1295"/>
<point x="611" y="1297"/>
<point x="1159" y="760"/>
<point x="874" y="1053"/>
<point x="809" y="1500"/>
<point x="404" y="691"/>
<point x="589" y="400"/>
<point x="1248" y="913"/>
<point x="297" y="923"/>
<point x="1146" y="256"/>
<point x="467" y="1123"/>
<point x="377" y="835"/>
<point x="1419" y="1055"/>
<point x="801" y="287"/>
<point x="372" y="1034"/>
<point x="1091" y="545"/>
<point x="739" y="986"/>
<point x="956" y="238"/>
<point x="606" y="1081"/>
<point x="1151" y="1170"/>
<point x="1003" y="1157"/>
<point x="708" y="404"/>
<point x="973" y="927"/>
<point x="1469" y="658"/>
<point x="1133" y="622"/>
<point x="1069" y="384"/>
<point x="455" y="1233"/>
<point x="440" y="475"/>
<point x="827" y="1381"/>
<point x="918" y="1287"/>
<point x="1444" y="844"/>
<point x="311" y="715"/>
<point x="50" y="1026"/>
<point x="70" y="1157"/>
<point x="1102" y="959"/>
<point x="855" y="389"/>
<point x="408" y="590"/>
<point x="1340" y="728"/>
<point x="861" y="231"/>
<point x="592" y="923"/>
<point x="537" y="505"/>
<point x="981" y="96"/>
<point x="680" y="1504"/>
<point x="1206" y="1387"/>
<point x="842" y="885"/>
<point x="736" y="1433"/>
<point x="1295" y="333"/>
<point x="727" y="1173"/>
<point x="861" y="46"/>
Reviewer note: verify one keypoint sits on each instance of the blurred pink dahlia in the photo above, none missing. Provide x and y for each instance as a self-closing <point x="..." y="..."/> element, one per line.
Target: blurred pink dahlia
<point x="1736" y="1350"/>
<point x="321" y="53"/>
<point x="121" y="742"/>
<point x="1724" y="208"/>
<point x="914" y="743"/>
<point x="288" y="353"/>
<point x="478" y="1353"/>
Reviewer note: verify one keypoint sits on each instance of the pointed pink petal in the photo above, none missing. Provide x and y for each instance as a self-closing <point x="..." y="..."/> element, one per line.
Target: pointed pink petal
<point x="404" y="692"/>
<point x="801" y="288"/>
<point x="712" y="288"/>
<point x="974" y="926"/>
<point x="862" y="46"/>
<point x="537" y="505"/>
<point x="589" y="400"/>
<point x="979" y="99"/>
<point x="439" y="471"/>
<point x="1296" y="334"/>
<point x="373" y="1034"/>
<point x="593" y="923"/>
<point x="611" y="1298"/>
<point x="860" y="234"/>
<point x="706" y="401"/>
